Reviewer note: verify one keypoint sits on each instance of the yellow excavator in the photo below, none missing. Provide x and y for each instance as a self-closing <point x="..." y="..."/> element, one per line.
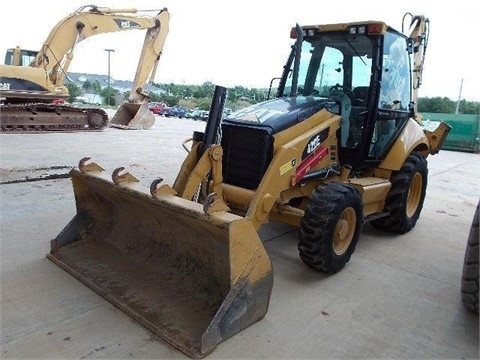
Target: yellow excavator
<point x="339" y="145"/>
<point x="32" y="82"/>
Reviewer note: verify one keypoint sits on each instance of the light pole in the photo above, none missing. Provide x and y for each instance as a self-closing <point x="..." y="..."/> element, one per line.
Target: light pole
<point x="108" y="78"/>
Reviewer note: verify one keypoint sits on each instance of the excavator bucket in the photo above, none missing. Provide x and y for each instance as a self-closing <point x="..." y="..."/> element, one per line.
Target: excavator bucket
<point x="193" y="279"/>
<point x="133" y="117"/>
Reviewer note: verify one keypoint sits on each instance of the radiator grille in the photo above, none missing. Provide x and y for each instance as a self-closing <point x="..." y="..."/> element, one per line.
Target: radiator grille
<point x="247" y="152"/>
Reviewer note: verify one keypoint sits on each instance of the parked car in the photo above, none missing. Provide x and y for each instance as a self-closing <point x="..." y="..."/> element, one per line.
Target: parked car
<point x="227" y="112"/>
<point x="176" y="111"/>
<point x="203" y="115"/>
<point x="157" y="107"/>
<point x="191" y="114"/>
<point x="197" y="114"/>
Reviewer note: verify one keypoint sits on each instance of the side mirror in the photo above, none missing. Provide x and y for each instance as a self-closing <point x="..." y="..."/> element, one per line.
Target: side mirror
<point x="410" y="46"/>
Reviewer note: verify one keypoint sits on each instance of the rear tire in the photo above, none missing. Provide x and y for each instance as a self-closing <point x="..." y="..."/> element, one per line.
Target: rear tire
<point x="470" y="268"/>
<point x="330" y="228"/>
<point x="406" y="197"/>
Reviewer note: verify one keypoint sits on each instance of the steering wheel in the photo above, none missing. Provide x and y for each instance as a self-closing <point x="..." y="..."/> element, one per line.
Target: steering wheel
<point x="345" y="90"/>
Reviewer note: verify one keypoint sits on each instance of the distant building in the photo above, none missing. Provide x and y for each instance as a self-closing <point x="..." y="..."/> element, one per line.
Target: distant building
<point x="89" y="98"/>
<point x="121" y="85"/>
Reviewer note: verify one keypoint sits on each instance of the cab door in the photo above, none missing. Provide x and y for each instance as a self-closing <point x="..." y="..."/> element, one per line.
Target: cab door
<point x="394" y="100"/>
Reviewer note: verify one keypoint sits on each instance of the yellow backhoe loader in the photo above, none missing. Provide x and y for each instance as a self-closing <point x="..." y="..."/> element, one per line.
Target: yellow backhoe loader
<point x="338" y="146"/>
<point x="32" y="82"/>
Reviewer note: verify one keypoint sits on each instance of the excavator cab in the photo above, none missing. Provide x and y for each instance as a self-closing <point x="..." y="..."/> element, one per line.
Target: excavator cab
<point x="20" y="57"/>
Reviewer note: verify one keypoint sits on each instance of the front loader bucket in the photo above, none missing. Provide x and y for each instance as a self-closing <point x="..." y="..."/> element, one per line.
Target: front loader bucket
<point x="133" y="117"/>
<point x="191" y="278"/>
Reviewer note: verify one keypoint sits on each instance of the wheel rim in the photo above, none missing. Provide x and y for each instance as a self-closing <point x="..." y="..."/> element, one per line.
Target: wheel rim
<point x="414" y="194"/>
<point x="344" y="231"/>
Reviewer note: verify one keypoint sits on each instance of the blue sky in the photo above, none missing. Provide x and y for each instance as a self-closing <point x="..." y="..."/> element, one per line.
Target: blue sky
<point x="246" y="42"/>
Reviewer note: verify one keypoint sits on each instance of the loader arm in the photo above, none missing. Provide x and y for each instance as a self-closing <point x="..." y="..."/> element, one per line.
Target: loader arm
<point x="57" y="51"/>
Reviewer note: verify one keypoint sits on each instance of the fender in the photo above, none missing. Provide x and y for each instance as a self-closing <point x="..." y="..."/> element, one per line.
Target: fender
<point x="411" y="137"/>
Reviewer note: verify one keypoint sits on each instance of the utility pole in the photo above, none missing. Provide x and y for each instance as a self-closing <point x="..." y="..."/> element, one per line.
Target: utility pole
<point x="459" y="97"/>
<point x="321" y="77"/>
<point x="108" y="77"/>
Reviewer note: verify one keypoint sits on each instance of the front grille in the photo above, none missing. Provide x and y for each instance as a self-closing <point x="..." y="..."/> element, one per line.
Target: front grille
<point x="247" y="152"/>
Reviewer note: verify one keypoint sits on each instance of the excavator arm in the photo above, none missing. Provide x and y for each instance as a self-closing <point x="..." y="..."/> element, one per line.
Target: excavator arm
<point x="149" y="58"/>
<point x="134" y="113"/>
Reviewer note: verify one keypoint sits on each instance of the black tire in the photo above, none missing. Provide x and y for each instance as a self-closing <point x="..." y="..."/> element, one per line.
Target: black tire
<point x="405" y="198"/>
<point x="330" y="228"/>
<point x="470" y="268"/>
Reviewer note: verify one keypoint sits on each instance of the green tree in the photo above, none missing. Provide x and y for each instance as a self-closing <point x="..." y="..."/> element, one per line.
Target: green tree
<point x="170" y="100"/>
<point x="204" y="104"/>
<point x="446" y="106"/>
<point x="469" y="107"/>
<point x="86" y="86"/>
<point x="109" y="94"/>
<point x="73" y="91"/>
<point x="154" y="97"/>
<point x="436" y="105"/>
<point x="204" y="90"/>
<point x="96" y="87"/>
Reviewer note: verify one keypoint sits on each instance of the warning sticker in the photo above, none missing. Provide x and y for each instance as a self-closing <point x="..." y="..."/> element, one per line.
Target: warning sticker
<point x="288" y="166"/>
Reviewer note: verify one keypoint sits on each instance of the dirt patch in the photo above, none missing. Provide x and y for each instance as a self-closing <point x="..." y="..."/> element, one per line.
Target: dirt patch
<point x="15" y="176"/>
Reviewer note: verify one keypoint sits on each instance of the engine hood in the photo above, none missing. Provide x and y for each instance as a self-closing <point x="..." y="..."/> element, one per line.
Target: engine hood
<point x="279" y="114"/>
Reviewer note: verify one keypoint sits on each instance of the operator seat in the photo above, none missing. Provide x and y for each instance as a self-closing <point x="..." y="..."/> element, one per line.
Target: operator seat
<point x="361" y="93"/>
<point x="345" y="110"/>
<point x="359" y="107"/>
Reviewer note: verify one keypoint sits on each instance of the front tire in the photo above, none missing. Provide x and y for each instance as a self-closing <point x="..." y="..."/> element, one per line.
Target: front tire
<point x="406" y="197"/>
<point x="330" y="228"/>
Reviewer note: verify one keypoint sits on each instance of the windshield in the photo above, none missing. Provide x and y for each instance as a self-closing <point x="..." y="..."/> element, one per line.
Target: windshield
<point x="333" y="60"/>
<point x="26" y="57"/>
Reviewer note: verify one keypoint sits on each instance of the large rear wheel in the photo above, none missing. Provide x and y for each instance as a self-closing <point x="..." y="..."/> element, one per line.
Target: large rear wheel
<point x="406" y="197"/>
<point x="330" y="229"/>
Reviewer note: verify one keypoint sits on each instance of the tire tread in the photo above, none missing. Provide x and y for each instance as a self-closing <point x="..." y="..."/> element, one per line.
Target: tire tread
<point x="317" y="226"/>
<point x="469" y="288"/>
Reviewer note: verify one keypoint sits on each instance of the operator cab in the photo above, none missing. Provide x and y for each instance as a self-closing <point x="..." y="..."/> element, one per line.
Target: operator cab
<point x="365" y="68"/>
<point x="20" y="57"/>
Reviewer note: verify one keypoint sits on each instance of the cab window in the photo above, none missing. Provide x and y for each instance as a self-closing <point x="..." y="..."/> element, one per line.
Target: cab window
<point x="395" y="83"/>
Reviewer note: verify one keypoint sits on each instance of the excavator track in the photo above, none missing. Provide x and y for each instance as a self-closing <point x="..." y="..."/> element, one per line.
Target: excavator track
<point x="39" y="117"/>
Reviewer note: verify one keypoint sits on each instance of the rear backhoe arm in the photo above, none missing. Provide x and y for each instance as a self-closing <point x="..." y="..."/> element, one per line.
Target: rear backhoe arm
<point x="420" y="30"/>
